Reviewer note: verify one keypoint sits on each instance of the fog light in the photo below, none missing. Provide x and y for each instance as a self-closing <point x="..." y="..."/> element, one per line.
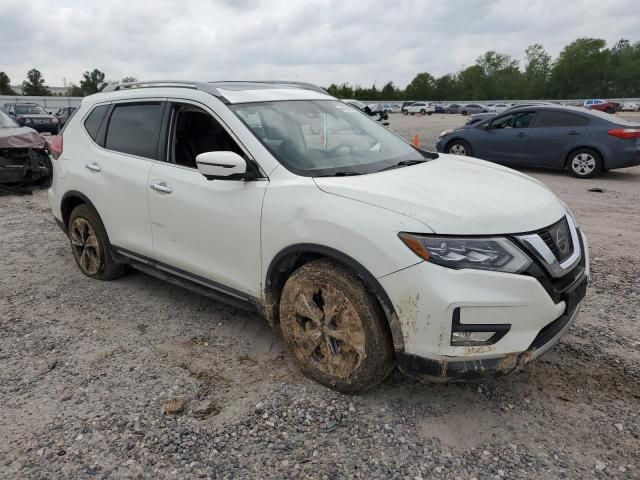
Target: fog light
<point x="469" y="335"/>
<point x="464" y="337"/>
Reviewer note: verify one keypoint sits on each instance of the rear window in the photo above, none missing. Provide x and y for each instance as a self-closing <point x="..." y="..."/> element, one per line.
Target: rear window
<point x="94" y="120"/>
<point x="552" y="118"/>
<point x="134" y="129"/>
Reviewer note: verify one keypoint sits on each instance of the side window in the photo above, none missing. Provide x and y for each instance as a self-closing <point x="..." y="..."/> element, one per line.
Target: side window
<point x="134" y="128"/>
<point x="524" y="120"/>
<point x="194" y="131"/>
<point x="580" y="121"/>
<point x="551" y="118"/>
<point x="94" y="120"/>
<point x="503" y="122"/>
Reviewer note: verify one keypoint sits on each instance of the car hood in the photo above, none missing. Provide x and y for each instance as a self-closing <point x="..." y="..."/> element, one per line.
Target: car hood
<point x="22" y="137"/>
<point x="455" y="195"/>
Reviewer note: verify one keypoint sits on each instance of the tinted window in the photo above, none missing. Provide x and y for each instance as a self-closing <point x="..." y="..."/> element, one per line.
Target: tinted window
<point x="580" y="121"/>
<point x="134" y="129"/>
<point x="94" y="120"/>
<point x="552" y="118"/>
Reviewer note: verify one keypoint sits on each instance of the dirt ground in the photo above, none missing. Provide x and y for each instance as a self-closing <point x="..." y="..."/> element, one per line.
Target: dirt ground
<point x="88" y="369"/>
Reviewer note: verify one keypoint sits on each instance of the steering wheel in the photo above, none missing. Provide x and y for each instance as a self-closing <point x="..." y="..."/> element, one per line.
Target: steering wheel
<point x="340" y="146"/>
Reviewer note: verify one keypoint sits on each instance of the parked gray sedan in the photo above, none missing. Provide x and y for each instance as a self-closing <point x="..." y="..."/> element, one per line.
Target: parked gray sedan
<point x="584" y="141"/>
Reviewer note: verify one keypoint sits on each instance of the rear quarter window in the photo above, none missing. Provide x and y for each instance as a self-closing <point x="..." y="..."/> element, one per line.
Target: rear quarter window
<point x="94" y="120"/>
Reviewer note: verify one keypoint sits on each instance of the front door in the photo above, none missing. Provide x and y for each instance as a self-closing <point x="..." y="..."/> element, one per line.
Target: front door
<point x="505" y="139"/>
<point x="206" y="228"/>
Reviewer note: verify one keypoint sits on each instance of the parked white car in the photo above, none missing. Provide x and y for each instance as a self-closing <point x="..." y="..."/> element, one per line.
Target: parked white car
<point x="422" y="108"/>
<point x="499" y="107"/>
<point x="364" y="251"/>
<point x="630" y="107"/>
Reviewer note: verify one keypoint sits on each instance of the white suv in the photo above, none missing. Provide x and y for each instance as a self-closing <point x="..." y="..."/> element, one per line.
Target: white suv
<point x="366" y="251"/>
<point x="422" y="108"/>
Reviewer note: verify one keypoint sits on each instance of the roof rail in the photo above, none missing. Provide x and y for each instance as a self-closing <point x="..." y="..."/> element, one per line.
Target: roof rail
<point x="114" y="87"/>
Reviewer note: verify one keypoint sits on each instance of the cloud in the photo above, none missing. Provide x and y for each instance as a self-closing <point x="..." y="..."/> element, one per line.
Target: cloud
<point x="320" y="41"/>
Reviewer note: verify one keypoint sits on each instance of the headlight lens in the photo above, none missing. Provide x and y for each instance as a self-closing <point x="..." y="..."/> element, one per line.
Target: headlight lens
<point x="496" y="253"/>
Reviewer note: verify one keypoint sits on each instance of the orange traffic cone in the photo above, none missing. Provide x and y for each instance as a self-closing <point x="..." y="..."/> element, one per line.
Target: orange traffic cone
<point x="416" y="140"/>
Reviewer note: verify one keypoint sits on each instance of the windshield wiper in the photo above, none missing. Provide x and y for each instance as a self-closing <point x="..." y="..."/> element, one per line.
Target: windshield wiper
<point x="403" y="163"/>
<point x="341" y="173"/>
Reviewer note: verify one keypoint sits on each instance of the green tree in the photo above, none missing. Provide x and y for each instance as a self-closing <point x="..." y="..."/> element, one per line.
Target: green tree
<point x="581" y="70"/>
<point x="471" y="81"/>
<point x="35" y="84"/>
<point x="389" y="92"/>
<point x="5" y="85"/>
<point x="447" y="87"/>
<point x="501" y="78"/>
<point x="624" y="68"/>
<point x="422" y="87"/>
<point x="92" y="82"/>
<point x="537" y="69"/>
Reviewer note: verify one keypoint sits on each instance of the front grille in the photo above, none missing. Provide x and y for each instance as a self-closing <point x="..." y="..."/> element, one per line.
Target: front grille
<point x="558" y="238"/>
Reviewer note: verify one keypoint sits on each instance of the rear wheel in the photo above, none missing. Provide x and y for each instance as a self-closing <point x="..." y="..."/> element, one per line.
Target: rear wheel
<point x="90" y="245"/>
<point x="464" y="113"/>
<point x="405" y="112"/>
<point x="335" y="327"/>
<point x="459" y="147"/>
<point x="423" y="111"/>
<point x="585" y="163"/>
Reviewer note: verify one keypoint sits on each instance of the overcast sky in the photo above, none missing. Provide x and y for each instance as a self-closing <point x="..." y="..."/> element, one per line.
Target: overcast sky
<point x="319" y="41"/>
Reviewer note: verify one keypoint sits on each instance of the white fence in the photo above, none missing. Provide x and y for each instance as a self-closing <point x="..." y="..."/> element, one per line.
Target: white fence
<point x="49" y="103"/>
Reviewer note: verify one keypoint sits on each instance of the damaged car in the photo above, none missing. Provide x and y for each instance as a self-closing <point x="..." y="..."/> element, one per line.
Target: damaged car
<point x="363" y="250"/>
<point x="24" y="158"/>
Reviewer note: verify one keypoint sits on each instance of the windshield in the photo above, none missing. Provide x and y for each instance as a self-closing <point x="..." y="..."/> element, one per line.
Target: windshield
<point x="6" y="121"/>
<point x="324" y="137"/>
<point x="30" y="110"/>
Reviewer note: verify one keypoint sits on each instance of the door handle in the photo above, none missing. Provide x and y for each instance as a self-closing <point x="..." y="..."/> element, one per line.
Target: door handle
<point x="521" y="134"/>
<point x="160" y="186"/>
<point x="93" y="166"/>
<point x="573" y="132"/>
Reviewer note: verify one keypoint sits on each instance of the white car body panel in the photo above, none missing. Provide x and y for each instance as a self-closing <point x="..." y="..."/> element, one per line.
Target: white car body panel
<point x="419" y="107"/>
<point x="511" y="202"/>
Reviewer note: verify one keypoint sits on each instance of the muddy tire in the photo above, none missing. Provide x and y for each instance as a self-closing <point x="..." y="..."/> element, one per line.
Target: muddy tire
<point x="335" y="327"/>
<point x="90" y="245"/>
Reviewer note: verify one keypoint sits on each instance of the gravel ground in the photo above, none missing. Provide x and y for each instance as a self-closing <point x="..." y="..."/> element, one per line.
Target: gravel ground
<point x="140" y="379"/>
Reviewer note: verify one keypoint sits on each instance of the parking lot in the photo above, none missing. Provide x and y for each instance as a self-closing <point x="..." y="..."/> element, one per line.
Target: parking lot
<point x="89" y="368"/>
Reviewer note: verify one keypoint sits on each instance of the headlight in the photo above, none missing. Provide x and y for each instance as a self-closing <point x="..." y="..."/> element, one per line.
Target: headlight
<point x="446" y="132"/>
<point x="496" y="253"/>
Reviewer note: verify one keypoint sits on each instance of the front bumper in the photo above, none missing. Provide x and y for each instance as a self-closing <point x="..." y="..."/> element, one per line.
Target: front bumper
<point x="537" y="309"/>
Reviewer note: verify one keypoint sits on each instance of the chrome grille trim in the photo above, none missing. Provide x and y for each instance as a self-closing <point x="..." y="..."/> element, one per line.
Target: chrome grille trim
<point x="536" y="244"/>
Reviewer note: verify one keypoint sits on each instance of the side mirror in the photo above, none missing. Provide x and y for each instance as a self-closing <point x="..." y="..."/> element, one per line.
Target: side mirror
<point x="221" y="165"/>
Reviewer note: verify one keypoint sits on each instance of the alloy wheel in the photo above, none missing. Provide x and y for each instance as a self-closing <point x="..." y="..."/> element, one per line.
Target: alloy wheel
<point x="85" y="245"/>
<point x="583" y="164"/>
<point x="325" y="331"/>
<point x="458" y="149"/>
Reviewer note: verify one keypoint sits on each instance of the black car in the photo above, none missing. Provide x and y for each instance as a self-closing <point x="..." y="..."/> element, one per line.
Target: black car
<point x="64" y="114"/>
<point x="583" y="141"/>
<point x="438" y="108"/>
<point x="33" y="116"/>
<point x="453" y="108"/>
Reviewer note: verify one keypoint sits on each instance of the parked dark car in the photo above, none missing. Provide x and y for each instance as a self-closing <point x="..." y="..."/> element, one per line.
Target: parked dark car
<point x="24" y="158"/>
<point x="584" y="142"/>
<point x="64" y="114"/>
<point x="33" y="116"/>
<point x="471" y="108"/>
<point x="438" y="108"/>
<point x="453" y="108"/>
<point x="483" y="116"/>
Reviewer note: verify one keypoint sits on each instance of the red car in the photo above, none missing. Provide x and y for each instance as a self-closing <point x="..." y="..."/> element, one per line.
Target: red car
<point x="602" y="105"/>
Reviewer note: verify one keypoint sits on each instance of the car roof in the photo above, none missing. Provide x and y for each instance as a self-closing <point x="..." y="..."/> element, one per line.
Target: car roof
<point x="230" y="92"/>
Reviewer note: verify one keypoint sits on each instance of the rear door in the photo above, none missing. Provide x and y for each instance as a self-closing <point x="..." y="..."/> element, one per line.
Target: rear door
<point x="505" y="139"/>
<point x="116" y="169"/>
<point x="555" y="133"/>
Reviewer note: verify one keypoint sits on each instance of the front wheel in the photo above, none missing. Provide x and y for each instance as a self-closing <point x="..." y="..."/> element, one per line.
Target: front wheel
<point x="585" y="163"/>
<point x="335" y="327"/>
<point x="405" y="112"/>
<point x="459" y="147"/>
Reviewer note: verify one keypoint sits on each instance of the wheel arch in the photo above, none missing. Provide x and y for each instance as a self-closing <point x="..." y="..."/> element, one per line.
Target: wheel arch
<point x="581" y="147"/>
<point x="294" y="256"/>
<point x="71" y="200"/>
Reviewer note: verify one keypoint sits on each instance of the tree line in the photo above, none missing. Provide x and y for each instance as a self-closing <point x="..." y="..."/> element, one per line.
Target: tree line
<point x="585" y="68"/>
<point x="35" y="85"/>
